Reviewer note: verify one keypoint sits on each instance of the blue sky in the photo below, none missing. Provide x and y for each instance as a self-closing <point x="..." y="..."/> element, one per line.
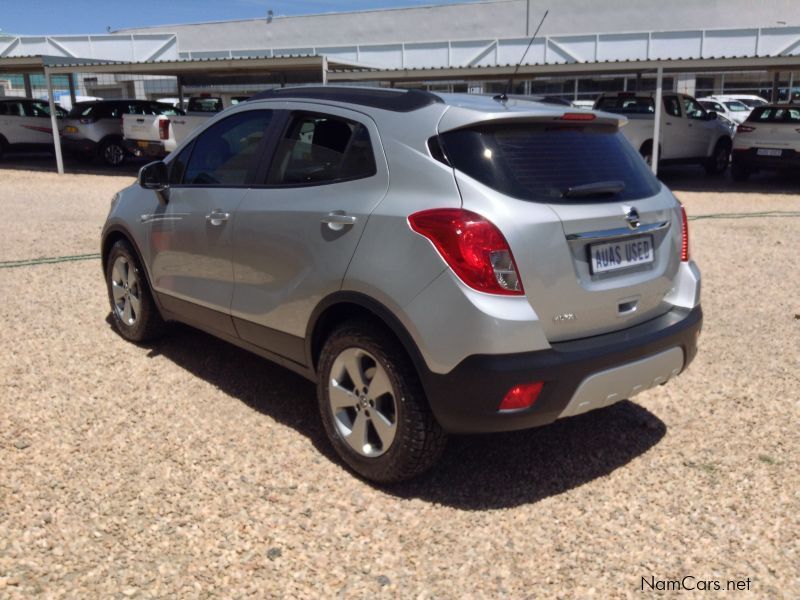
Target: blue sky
<point x="93" y="16"/>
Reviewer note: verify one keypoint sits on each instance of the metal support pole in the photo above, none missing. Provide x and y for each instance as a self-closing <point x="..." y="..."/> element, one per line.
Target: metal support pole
<point x="776" y="81"/>
<point x="26" y="78"/>
<point x="575" y="91"/>
<point x="54" y="121"/>
<point x="180" y="93"/>
<point x="71" y="81"/>
<point x="324" y="70"/>
<point x="657" y="121"/>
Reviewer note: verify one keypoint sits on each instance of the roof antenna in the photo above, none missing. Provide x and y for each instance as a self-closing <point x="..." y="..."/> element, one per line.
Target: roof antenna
<point x="504" y="96"/>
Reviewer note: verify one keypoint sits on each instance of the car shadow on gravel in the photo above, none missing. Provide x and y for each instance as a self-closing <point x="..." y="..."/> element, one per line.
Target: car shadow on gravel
<point x="476" y="472"/>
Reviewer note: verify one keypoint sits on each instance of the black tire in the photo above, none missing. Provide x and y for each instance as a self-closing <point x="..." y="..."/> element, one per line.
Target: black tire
<point x="718" y="162"/>
<point x="112" y="152"/>
<point x="740" y="173"/>
<point x="418" y="441"/>
<point x="646" y="152"/>
<point x="3" y="145"/>
<point x="146" y="323"/>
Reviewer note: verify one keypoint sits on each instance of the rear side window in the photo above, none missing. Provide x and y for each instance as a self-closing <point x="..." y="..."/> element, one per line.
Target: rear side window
<point x="775" y="114"/>
<point x="13" y="108"/>
<point x="544" y="161"/>
<point x="322" y="149"/>
<point x="225" y="152"/>
<point x="672" y="106"/>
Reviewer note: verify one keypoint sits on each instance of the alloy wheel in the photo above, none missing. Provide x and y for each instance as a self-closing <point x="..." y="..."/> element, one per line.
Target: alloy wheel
<point x="126" y="291"/>
<point x="362" y="402"/>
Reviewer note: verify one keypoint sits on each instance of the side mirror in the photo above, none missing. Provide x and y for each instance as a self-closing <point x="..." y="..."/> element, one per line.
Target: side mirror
<point x="155" y="176"/>
<point x="711" y="115"/>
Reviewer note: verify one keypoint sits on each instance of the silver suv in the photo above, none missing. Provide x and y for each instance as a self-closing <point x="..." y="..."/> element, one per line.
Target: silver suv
<point x="435" y="263"/>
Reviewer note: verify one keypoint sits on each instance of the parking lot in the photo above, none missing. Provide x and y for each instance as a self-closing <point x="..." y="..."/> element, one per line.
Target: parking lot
<point x="190" y="468"/>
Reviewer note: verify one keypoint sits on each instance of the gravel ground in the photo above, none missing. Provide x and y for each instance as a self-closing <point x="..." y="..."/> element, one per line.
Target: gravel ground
<point x="189" y="468"/>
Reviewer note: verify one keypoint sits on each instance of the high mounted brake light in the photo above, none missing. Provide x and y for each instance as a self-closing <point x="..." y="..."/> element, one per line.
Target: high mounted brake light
<point x="473" y="247"/>
<point x="578" y="117"/>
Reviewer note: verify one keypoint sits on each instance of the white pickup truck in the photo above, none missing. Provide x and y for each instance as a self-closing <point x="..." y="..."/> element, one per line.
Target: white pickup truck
<point x="689" y="133"/>
<point x="156" y="136"/>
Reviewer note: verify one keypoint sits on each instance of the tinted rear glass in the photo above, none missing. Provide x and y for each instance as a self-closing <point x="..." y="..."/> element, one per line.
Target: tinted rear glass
<point x="627" y="105"/>
<point x="543" y="161"/>
<point x="775" y="114"/>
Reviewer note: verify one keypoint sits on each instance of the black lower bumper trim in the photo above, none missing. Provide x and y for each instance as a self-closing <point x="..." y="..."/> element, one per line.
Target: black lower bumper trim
<point x="750" y="159"/>
<point x="466" y="399"/>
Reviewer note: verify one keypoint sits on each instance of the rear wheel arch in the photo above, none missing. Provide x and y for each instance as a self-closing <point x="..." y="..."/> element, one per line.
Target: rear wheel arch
<point x="340" y="307"/>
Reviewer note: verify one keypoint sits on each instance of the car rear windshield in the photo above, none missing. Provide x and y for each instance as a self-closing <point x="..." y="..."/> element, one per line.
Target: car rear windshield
<point x="775" y="114"/>
<point x="551" y="162"/>
<point x="627" y="105"/>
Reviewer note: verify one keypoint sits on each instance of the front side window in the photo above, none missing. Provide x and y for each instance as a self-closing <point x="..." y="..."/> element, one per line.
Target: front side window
<point x="320" y="149"/>
<point x="693" y="109"/>
<point x="225" y="152"/>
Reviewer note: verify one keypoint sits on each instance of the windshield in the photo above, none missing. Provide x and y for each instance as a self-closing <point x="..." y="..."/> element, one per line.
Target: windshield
<point x="736" y="106"/>
<point x="210" y="105"/>
<point x="550" y="162"/>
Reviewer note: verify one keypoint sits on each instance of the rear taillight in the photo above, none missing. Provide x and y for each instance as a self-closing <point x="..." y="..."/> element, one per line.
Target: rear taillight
<point x="521" y="396"/>
<point x="684" y="236"/>
<point x="745" y="129"/>
<point x="163" y="129"/>
<point x="473" y="247"/>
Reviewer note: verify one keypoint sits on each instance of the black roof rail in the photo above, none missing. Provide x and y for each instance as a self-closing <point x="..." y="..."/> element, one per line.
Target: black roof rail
<point x="384" y="98"/>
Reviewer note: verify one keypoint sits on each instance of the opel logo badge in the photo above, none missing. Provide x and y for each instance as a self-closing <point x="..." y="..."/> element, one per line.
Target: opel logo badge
<point x="631" y="217"/>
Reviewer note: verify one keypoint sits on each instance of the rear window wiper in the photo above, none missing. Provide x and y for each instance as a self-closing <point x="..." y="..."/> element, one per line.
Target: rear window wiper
<point x="598" y="188"/>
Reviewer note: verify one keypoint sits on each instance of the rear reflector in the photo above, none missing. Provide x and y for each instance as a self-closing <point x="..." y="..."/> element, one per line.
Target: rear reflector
<point x="684" y="236"/>
<point x="521" y="396"/>
<point x="578" y="117"/>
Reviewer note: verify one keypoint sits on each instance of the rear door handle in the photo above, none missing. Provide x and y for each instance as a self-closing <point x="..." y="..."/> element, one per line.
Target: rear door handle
<point x="337" y="220"/>
<point x="216" y="217"/>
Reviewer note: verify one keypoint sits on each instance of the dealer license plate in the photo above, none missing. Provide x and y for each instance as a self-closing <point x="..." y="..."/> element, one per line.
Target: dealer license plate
<point x="623" y="254"/>
<point x="769" y="152"/>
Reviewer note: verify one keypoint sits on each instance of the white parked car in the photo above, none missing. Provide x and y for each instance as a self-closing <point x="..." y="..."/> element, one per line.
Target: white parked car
<point x="769" y="139"/>
<point x="689" y="133"/>
<point x="730" y="108"/>
<point x="25" y="125"/>
<point x="749" y="99"/>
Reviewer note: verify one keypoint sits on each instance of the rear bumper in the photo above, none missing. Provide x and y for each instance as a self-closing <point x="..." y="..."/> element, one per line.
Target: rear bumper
<point x="145" y="148"/>
<point x="750" y="159"/>
<point x="466" y="399"/>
